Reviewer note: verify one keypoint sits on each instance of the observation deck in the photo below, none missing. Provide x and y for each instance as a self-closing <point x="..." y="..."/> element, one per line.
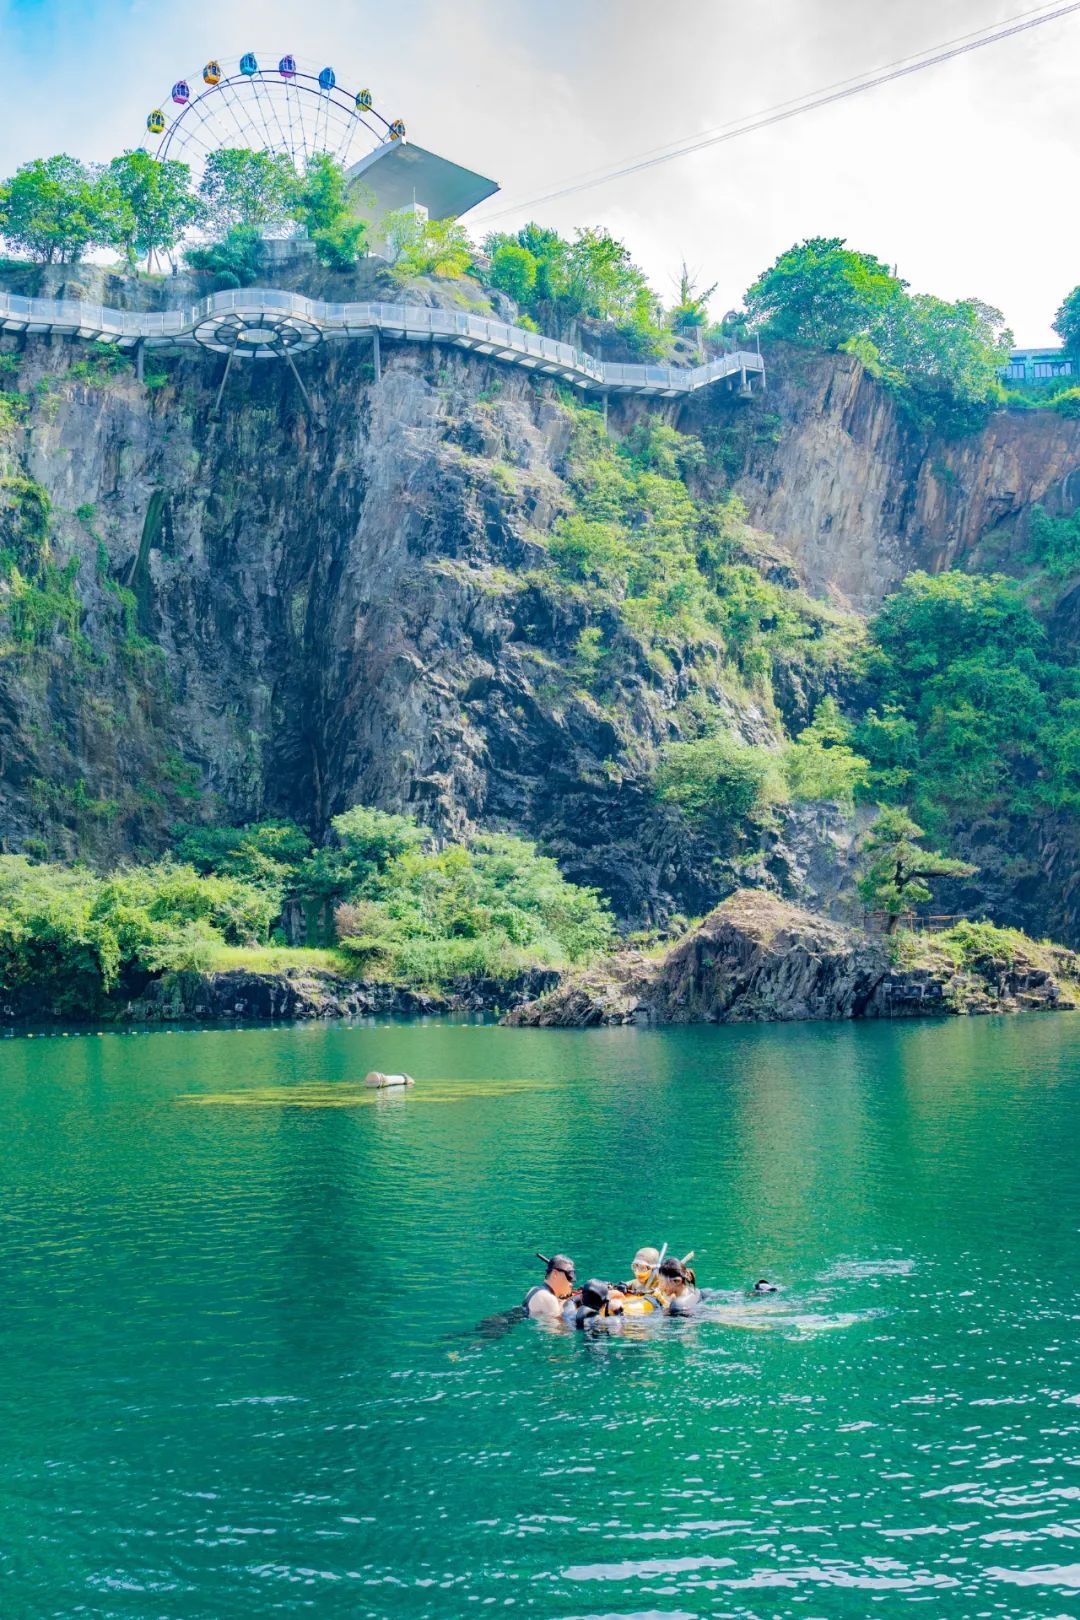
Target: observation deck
<point x="262" y="323"/>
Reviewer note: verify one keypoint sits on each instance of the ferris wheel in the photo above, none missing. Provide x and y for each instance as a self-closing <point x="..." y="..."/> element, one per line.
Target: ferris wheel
<point x="287" y="106"/>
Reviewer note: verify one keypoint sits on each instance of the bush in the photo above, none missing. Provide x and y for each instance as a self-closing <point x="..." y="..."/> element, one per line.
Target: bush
<point x="235" y="260"/>
<point x="489" y="909"/>
<point x="69" y="938"/>
<point x="1067" y="403"/>
<point x="974" y="944"/>
<point x="426" y="247"/>
<point x="1055" y="541"/>
<point x="821" y="764"/>
<point x="718" y="782"/>
<point x="364" y="842"/>
<point x="972" y="717"/>
<point x="266" y="853"/>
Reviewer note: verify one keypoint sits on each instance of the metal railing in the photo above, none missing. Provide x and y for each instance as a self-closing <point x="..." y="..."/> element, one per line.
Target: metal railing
<point x="99" y="322"/>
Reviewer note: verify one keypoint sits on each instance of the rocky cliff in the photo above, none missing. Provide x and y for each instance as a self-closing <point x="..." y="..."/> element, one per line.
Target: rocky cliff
<point x="269" y="613"/>
<point x="756" y="959"/>
<point x="827" y="463"/>
<point x="264" y="610"/>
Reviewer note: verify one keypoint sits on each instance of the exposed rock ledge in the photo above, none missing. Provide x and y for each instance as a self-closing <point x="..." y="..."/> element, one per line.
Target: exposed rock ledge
<point x="308" y="993"/>
<point x="757" y="959"/>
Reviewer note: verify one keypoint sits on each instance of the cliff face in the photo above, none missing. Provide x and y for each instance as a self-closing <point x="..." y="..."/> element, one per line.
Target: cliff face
<point x="284" y="613"/>
<point x="827" y="464"/>
<point x="273" y="612"/>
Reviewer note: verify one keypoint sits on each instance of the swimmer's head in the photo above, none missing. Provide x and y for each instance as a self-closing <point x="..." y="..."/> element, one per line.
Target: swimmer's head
<point x="763" y="1286"/>
<point x="645" y="1263"/>
<point x="673" y="1277"/>
<point x="559" y="1275"/>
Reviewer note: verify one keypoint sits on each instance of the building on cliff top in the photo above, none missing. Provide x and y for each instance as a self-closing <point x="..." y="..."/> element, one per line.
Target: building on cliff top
<point x="401" y="175"/>
<point x="1038" y="365"/>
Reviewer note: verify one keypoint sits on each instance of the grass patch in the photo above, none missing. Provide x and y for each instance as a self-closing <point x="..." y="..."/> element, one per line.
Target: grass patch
<point x="279" y="959"/>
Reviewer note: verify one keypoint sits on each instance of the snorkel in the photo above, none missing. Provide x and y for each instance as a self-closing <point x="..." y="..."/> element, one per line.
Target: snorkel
<point x="654" y="1274"/>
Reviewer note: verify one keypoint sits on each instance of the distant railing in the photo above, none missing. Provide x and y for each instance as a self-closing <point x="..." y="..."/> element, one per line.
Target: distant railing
<point x="414" y="322"/>
<point x="876" y="922"/>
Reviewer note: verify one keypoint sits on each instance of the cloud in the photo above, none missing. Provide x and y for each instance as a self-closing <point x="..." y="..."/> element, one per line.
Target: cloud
<point x="957" y="175"/>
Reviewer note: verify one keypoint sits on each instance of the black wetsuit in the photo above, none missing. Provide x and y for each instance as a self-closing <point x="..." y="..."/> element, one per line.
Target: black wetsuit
<point x="565" y="1305"/>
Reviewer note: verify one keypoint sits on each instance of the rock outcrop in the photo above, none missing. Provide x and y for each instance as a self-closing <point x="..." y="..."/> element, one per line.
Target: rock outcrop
<point x="756" y="959"/>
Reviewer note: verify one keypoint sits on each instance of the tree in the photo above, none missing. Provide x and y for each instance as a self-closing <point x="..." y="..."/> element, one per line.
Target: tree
<point x="897" y="869"/>
<point x="365" y="842"/>
<point x="601" y="279"/>
<point x="934" y="622"/>
<point x="323" y="205"/>
<point x="821" y="292"/>
<point x="235" y="258"/>
<point x="560" y="280"/>
<point x="692" y="304"/>
<point x="491" y="908"/>
<point x="949" y="355"/>
<point x="513" y="271"/>
<point x="252" y="190"/>
<point x="267" y="853"/>
<point x="53" y="209"/>
<point x="821" y="764"/>
<point x="153" y="204"/>
<point x="1067" y="322"/>
<point x="426" y="247"/>
<point x="717" y="782"/>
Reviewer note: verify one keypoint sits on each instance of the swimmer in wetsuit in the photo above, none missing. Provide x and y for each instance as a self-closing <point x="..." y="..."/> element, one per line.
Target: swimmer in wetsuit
<point x="643" y="1266"/>
<point x="548" y="1301"/>
<point x="600" y="1307"/>
<point x="677" y="1287"/>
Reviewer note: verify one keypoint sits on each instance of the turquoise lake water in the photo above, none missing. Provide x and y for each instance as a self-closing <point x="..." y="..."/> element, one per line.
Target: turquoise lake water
<point x="241" y="1374"/>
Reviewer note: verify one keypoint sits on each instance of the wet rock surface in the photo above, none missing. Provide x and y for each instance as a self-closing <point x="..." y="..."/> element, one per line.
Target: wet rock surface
<point x="305" y="994"/>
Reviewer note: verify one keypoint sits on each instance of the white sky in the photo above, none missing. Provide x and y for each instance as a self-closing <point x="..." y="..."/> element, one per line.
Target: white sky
<point x="962" y="176"/>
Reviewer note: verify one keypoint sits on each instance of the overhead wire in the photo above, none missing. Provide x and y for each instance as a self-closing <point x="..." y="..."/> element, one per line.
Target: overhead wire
<point x="780" y="112"/>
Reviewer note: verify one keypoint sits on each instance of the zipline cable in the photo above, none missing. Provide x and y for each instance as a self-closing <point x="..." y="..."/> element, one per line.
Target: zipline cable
<point x="799" y="100"/>
<point x="842" y="90"/>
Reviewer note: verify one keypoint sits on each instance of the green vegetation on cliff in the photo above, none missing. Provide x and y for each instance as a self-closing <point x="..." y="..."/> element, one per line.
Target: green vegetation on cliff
<point x="676" y="566"/>
<point x="941" y="359"/>
<point x="971" y="716"/>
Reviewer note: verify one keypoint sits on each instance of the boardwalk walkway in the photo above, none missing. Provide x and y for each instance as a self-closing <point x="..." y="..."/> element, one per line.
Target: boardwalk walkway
<point x="263" y="322"/>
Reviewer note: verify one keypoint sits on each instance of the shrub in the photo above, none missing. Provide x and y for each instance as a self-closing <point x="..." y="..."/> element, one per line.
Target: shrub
<point x="69" y="938"/>
<point x="971" y="944"/>
<point x="718" y="782"/>
<point x="1055" y="541"/>
<point x="426" y="247"/>
<point x="267" y="853"/>
<point x="235" y="259"/>
<point x="821" y="764"/>
<point x="490" y="908"/>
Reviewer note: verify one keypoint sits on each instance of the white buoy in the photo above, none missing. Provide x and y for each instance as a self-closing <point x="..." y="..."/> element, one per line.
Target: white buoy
<point x="376" y="1079"/>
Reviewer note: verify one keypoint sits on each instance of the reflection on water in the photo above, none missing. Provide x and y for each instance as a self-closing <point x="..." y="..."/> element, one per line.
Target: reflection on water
<point x="260" y="1352"/>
